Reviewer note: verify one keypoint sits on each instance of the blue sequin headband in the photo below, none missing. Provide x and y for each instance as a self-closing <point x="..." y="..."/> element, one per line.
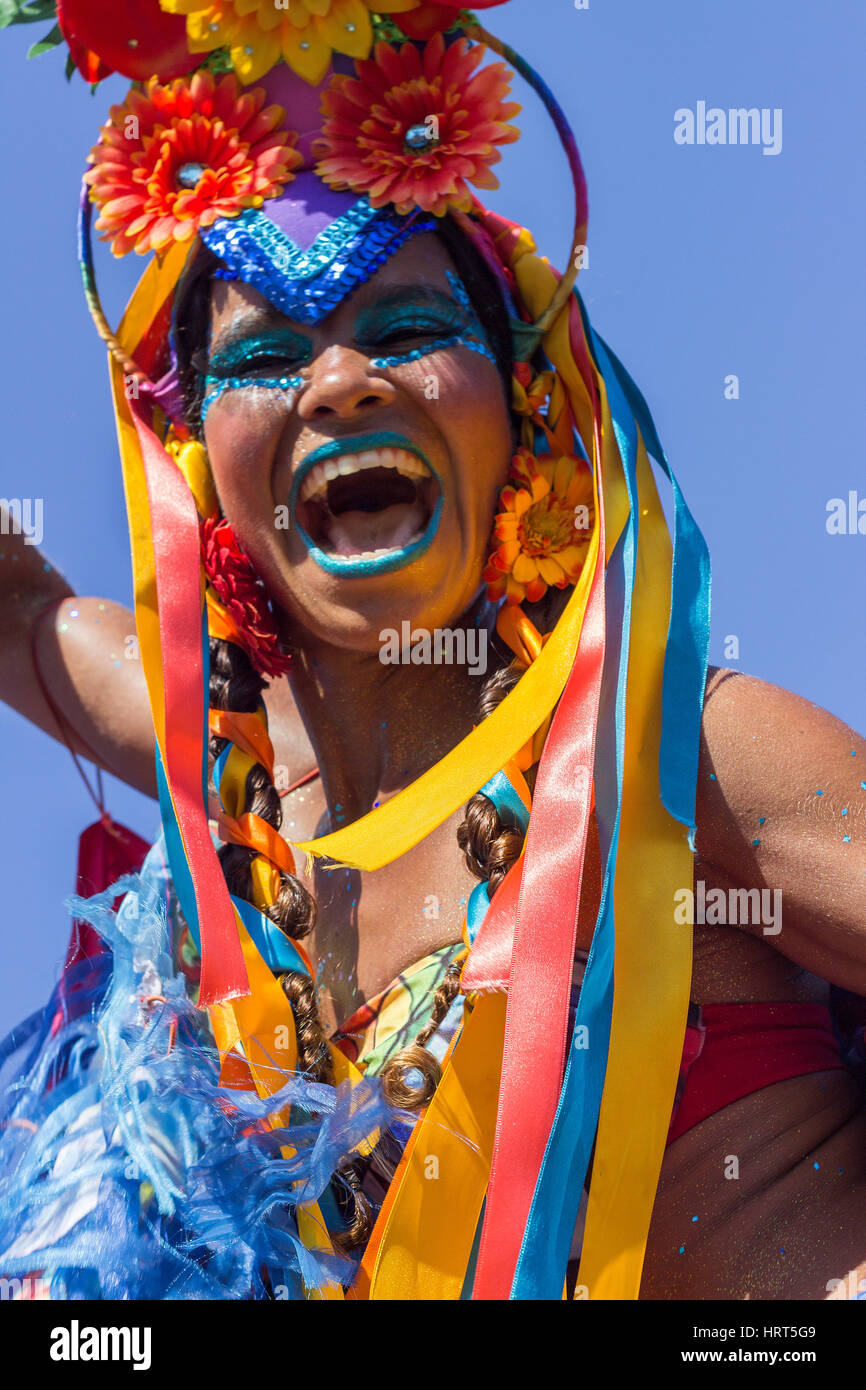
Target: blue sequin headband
<point x="307" y="285"/>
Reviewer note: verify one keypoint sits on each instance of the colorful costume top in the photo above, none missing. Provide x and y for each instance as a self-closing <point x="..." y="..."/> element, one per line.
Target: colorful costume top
<point x="301" y="147"/>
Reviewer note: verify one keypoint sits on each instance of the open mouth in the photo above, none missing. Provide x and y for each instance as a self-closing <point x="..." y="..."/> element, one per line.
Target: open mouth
<point x="376" y="504"/>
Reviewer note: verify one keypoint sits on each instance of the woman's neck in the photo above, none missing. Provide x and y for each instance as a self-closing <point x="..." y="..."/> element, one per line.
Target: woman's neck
<point x="379" y="720"/>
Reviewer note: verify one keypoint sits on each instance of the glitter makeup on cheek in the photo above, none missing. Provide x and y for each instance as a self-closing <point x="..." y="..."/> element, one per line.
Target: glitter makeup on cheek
<point x="215" y="387"/>
<point x="233" y="368"/>
<point x="438" y="345"/>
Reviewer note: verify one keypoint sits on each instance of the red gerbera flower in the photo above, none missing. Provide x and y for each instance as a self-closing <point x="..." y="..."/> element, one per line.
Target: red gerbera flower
<point x="174" y="158"/>
<point x="132" y="37"/>
<point x="415" y="128"/>
<point x="232" y="577"/>
<point x="433" y="15"/>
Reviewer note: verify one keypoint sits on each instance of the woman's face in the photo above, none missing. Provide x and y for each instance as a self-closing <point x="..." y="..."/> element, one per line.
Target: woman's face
<point x="369" y="499"/>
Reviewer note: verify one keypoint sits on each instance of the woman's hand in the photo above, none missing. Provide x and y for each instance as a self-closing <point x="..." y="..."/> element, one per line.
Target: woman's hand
<point x="782" y="807"/>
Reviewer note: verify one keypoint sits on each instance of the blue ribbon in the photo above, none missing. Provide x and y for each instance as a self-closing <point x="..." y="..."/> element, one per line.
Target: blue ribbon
<point x="687" y="653"/>
<point x="175" y="853"/>
<point x="272" y="944"/>
<point x="502" y="793"/>
<point x="476" y="910"/>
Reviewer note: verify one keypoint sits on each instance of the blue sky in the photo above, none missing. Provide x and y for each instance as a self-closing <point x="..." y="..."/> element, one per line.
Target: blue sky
<point x="705" y="261"/>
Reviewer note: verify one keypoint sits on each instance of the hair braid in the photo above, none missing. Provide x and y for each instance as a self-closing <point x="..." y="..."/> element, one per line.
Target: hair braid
<point x="235" y="685"/>
<point x="490" y="846"/>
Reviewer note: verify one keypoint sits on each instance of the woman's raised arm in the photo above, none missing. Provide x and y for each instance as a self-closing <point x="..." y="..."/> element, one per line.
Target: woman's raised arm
<point x="84" y="652"/>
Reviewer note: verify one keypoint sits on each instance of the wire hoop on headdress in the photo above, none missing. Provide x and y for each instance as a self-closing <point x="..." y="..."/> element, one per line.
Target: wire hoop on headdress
<point x="91" y="293"/>
<point x="534" y="332"/>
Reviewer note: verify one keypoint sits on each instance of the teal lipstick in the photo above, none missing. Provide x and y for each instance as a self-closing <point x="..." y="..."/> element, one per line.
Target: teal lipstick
<point x="348" y="566"/>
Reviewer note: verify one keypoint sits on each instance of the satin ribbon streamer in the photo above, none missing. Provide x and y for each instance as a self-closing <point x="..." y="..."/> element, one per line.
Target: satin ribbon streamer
<point x="538" y="996"/>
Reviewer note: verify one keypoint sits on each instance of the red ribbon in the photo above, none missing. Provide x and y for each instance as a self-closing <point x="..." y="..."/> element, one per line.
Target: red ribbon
<point x="177" y="562"/>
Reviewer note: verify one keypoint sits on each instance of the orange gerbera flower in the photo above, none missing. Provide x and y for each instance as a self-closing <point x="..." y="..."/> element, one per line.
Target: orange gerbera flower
<point x="541" y="537"/>
<point x="416" y="128"/>
<point x="174" y="158"/>
<point x="305" y="33"/>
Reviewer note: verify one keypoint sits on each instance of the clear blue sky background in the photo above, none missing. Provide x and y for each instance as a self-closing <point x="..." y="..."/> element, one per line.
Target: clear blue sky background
<point x="704" y="261"/>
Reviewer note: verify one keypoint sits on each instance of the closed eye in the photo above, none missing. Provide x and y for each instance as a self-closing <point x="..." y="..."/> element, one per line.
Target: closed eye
<point x="416" y="332"/>
<point x="252" y="356"/>
<point x="402" y="319"/>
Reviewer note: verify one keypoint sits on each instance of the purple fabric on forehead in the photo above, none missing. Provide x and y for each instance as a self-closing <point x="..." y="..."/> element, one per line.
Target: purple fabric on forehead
<point x="306" y="208"/>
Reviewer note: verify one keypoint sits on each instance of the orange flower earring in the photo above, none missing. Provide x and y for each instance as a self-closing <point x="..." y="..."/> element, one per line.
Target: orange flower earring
<point x="542" y="529"/>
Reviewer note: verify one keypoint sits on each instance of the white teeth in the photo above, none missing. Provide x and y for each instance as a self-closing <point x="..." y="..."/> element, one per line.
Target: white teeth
<point x="323" y="473"/>
<point x="373" y="554"/>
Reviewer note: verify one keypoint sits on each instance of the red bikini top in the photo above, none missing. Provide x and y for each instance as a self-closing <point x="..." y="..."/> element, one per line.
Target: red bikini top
<point x="732" y="1050"/>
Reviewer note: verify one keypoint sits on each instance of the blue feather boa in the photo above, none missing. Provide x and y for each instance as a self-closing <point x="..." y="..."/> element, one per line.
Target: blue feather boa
<point x="126" y="1171"/>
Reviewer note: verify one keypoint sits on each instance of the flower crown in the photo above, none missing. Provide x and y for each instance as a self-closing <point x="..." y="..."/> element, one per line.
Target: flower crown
<point x="176" y="156"/>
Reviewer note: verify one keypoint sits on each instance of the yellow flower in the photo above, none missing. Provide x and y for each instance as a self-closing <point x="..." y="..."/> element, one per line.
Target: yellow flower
<point x="305" y="33"/>
<point x="541" y="535"/>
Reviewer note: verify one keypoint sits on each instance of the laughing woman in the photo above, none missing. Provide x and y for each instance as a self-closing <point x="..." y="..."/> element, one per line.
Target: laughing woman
<point x="356" y="1034"/>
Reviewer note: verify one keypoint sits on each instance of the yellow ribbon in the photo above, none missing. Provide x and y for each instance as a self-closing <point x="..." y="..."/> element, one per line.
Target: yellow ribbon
<point x="652" y="972"/>
<point x="429" y="1230"/>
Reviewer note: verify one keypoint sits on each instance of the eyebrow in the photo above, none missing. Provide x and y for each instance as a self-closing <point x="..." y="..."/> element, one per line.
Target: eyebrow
<point x="393" y="295"/>
<point x="268" y="320"/>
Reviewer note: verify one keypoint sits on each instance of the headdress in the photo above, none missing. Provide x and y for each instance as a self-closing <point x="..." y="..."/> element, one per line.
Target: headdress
<point x="303" y="145"/>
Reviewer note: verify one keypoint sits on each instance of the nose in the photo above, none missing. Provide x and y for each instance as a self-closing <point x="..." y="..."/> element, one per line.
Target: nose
<point x="340" y="384"/>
